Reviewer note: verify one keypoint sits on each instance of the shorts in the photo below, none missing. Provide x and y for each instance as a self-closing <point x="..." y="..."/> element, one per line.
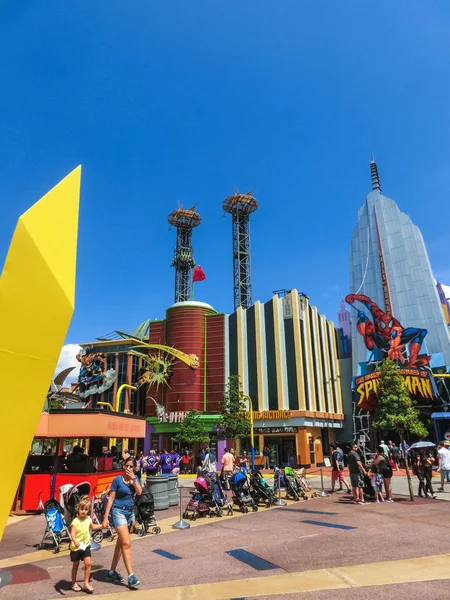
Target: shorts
<point x="377" y="488"/>
<point x="445" y="473"/>
<point x="357" y="480"/>
<point x="122" y="516"/>
<point x="337" y="476"/>
<point x="79" y="555"/>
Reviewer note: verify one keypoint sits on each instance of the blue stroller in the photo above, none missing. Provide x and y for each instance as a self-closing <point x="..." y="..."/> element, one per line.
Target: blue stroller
<point x="56" y="529"/>
<point x="241" y="492"/>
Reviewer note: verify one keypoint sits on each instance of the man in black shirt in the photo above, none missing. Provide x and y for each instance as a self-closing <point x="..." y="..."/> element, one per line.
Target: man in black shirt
<point x="357" y="473"/>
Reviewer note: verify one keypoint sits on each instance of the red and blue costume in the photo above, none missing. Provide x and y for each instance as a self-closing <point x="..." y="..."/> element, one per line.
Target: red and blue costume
<point x="386" y="333"/>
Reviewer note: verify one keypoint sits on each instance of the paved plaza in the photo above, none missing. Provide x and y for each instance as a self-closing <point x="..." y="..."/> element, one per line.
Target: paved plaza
<point x="322" y="548"/>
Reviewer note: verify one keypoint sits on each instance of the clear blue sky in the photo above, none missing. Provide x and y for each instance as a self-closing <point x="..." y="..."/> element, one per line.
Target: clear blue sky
<point x="163" y="101"/>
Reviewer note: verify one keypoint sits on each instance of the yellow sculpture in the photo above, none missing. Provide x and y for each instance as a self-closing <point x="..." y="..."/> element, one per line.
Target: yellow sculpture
<point x="37" y="292"/>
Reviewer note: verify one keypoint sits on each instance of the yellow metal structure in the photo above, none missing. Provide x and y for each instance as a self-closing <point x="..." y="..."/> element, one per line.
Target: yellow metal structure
<point x="37" y="295"/>
<point x="113" y="441"/>
<point x="252" y="432"/>
<point x="190" y="359"/>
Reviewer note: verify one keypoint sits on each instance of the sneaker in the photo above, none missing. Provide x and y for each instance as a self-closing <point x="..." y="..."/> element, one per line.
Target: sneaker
<point x="349" y="491"/>
<point x="115" y="576"/>
<point x="332" y="492"/>
<point x="440" y="490"/>
<point x="377" y="501"/>
<point x="389" y="500"/>
<point x="133" y="581"/>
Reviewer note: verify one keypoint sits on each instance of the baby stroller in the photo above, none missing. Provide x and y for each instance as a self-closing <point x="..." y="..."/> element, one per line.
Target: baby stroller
<point x="56" y="529"/>
<point x="200" y="503"/>
<point x="218" y="496"/>
<point x="145" y="516"/>
<point x="304" y="485"/>
<point x="293" y="489"/>
<point x="100" y="503"/>
<point x="241" y="492"/>
<point x="261" y="492"/>
<point x="70" y="496"/>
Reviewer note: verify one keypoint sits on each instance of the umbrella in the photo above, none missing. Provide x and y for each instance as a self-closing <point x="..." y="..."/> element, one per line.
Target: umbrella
<point x="423" y="445"/>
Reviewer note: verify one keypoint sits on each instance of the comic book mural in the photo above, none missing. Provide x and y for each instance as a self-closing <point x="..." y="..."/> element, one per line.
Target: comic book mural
<point x="384" y="333"/>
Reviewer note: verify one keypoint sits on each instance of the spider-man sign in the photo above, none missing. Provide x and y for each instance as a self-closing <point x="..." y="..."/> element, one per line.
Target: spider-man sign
<point x="387" y="334"/>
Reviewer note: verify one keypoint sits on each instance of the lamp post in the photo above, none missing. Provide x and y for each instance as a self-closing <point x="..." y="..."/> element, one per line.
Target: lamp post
<point x="252" y="433"/>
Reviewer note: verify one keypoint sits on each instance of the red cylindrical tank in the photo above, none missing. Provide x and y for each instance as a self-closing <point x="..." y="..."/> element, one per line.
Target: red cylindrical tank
<point x="185" y="331"/>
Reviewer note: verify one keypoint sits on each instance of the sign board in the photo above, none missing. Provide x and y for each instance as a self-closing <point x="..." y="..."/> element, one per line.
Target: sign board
<point x="172" y="417"/>
<point x="275" y="430"/>
<point x="326" y="461"/>
<point x="268" y="415"/>
<point x="419" y="382"/>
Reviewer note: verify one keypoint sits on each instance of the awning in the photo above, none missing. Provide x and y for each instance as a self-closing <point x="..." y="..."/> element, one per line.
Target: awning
<point x="90" y="423"/>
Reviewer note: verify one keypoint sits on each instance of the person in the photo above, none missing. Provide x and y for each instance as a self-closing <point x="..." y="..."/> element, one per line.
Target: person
<point x="243" y="462"/>
<point x="385" y="469"/>
<point x="266" y="455"/>
<point x="357" y="473"/>
<point x="209" y="464"/>
<point x="337" y="474"/>
<point x="175" y="461"/>
<point x="80" y="546"/>
<point x="447" y="445"/>
<point x="227" y="466"/>
<point x="395" y="453"/>
<point x="165" y="461"/>
<point x="385" y="449"/>
<point x="444" y="464"/>
<point x="76" y="461"/>
<point x="151" y="463"/>
<point x="121" y="506"/>
<point x="115" y="458"/>
<point x="424" y="469"/>
<point x="376" y="479"/>
<point x="186" y="461"/>
<point x="404" y="448"/>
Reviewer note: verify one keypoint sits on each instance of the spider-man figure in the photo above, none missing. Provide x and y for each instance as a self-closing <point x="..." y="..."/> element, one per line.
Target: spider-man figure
<point x="387" y="334"/>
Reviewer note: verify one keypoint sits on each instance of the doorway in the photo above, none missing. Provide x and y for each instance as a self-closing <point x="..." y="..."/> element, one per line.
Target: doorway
<point x="282" y="450"/>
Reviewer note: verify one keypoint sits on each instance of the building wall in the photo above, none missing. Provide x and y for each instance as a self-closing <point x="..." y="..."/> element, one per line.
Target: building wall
<point x="215" y="361"/>
<point x="413" y="294"/>
<point x="286" y="356"/>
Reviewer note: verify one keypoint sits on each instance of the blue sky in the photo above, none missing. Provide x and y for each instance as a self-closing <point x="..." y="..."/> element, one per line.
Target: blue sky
<point x="186" y="101"/>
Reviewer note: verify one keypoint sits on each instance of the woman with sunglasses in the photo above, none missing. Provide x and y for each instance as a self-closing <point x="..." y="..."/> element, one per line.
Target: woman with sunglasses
<point x="121" y="508"/>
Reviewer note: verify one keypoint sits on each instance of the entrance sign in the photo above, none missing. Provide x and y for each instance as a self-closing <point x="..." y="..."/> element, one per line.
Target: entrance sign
<point x="263" y="430"/>
<point x="271" y="415"/>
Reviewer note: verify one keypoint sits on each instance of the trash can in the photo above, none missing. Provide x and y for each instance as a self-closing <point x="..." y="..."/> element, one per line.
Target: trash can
<point x="173" y="490"/>
<point x="159" y="486"/>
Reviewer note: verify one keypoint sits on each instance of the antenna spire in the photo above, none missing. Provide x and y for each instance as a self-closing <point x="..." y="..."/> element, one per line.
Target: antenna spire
<point x="374" y="175"/>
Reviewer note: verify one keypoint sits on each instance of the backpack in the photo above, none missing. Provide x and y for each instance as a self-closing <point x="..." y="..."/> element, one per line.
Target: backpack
<point x="340" y="458"/>
<point x="212" y="457"/>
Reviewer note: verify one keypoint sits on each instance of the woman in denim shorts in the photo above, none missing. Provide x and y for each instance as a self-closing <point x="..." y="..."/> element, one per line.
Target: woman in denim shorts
<point x="121" y="509"/>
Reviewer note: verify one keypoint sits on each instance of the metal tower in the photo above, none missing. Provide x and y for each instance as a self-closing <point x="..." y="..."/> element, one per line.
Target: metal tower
<point x="184" y="220"/>
<point x="240" y="207"/>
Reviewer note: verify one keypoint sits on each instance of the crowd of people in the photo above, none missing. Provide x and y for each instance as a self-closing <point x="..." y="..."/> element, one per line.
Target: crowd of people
<point x="375" y="476"/>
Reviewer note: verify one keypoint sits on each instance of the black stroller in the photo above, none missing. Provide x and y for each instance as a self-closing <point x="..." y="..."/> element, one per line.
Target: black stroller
<point x="261" y="492"/>
<point x="56" y="529"/>
<point x="241" y="492"/>
<point x="218" y="496"/>
<point x="144" y="508"/>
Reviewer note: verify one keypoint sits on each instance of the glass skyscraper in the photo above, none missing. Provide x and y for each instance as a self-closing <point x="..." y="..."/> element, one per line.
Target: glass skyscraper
<point x="389" y="264"/>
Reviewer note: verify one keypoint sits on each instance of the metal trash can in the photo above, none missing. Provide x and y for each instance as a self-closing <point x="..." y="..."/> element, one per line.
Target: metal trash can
<point x="159" y="486"/>
<point x="173" y="490"/>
